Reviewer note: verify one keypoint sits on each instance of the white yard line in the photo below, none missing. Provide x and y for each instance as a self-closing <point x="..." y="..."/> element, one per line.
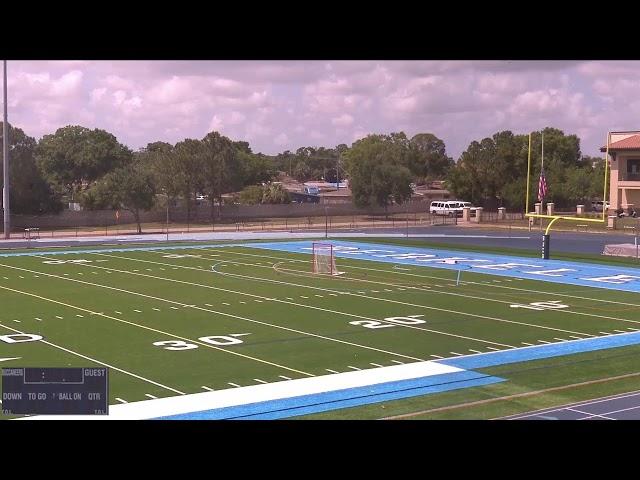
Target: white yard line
<point x="99" y="362"/>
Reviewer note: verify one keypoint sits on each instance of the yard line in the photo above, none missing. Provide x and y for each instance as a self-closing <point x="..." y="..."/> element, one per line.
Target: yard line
<point x="543" y="292"/>
<point x="121" y="400"/>
<point x="157" y="330"/>
<point x="332" y="371"/>
<point x="399" y="302"/>
<point x="375" y="364"/>
<point x="274" y="325"/>
<point x="260" y="381"/>
<point x="286" y="378"/>
<point x="207" y="388"/>
<point x="149" y="395"/>
<point x="353" y="368"/>
<point x="233" y="384"/>
<point x="99" y="362"/>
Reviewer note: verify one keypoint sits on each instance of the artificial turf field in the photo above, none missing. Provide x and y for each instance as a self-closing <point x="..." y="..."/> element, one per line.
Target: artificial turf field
<point x="168" y="324"/>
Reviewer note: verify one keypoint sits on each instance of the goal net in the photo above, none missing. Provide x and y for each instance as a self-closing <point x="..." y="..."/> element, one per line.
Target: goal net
<point x="324" y="261"/>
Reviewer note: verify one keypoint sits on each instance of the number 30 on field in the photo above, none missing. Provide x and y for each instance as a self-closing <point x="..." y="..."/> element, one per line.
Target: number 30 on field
<point x="218" y="340"/>
<point x="394" y="322"/>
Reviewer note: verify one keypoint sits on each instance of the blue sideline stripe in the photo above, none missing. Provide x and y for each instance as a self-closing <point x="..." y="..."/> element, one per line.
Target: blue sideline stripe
<point x="351" y="397"/>
<point x="543" y="351"/>
<point x="372" y="252"/>
<point x="115" y="250"/>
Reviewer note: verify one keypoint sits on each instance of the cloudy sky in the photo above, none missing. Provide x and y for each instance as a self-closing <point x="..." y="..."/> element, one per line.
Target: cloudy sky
<point x="280" y="105"/>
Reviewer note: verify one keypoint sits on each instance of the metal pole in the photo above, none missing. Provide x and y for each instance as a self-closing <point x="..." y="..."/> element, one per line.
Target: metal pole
<point x="5" y="162"/>
<point x="167" y="218"/>
<point x="326" y="223"/>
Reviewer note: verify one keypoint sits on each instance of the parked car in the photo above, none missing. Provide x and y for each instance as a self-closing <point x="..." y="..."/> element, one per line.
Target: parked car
<point x="451" y="208"/>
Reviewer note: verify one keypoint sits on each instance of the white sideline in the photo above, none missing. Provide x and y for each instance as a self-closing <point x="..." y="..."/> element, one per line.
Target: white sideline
<point x="161" y="407"/>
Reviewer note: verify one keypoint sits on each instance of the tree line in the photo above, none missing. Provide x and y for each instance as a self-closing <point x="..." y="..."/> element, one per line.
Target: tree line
<point x="90" y="167"/>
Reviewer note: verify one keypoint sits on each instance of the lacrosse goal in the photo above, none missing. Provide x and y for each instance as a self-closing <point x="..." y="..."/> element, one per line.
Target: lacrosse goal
<point x="324" y="261"/>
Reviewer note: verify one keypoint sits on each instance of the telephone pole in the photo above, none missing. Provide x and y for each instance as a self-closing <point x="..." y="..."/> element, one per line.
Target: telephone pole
<point x="5" y="161"/>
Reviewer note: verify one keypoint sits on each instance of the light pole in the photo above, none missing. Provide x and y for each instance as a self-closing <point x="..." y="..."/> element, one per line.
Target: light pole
<point x="5" y="162"/>
<point x="167" y="217"/>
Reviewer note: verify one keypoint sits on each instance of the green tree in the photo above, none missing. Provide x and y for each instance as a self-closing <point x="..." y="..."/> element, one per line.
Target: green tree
<point x="428" y="159"/>
<point x="251" y="195"/>
<point x="128" y="188"/>
<point x="274" y="193"/>
<point x="377" y="169"/>
<point x="29" y="192"/>
<point x="74" y="157"/>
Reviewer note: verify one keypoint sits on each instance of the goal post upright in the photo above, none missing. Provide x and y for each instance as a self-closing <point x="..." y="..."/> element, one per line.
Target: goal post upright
<point x="555" y="218"/>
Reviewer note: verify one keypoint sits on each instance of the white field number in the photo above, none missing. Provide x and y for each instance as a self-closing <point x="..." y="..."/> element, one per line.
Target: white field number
<point x="394" y="322"/>
<point x="551" y="305"/>
<point x="218" y="340"/>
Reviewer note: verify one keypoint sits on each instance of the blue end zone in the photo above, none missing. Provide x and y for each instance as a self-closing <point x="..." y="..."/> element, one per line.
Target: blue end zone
<point x="352" y="397"/>
<point x="539" y="352"/>
<point x="556" y="271"/>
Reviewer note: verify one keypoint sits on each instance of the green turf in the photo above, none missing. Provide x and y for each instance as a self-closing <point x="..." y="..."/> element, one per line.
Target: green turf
<point x="115" y="307"/>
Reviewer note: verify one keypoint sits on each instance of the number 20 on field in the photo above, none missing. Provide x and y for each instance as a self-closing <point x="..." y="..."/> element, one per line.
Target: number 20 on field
<point x="393" y="322"/>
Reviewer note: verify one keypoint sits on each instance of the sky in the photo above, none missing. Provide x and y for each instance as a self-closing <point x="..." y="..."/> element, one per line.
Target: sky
<point x="284" y="105"/>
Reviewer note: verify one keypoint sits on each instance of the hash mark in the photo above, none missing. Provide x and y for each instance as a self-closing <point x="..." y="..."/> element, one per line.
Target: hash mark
<point x="353" y="368"/>
<point x="375" y="364"/>
<point x="260" y="381"/>
<point x="149" y="395"/>
<point x="398" y="362"/>
<point x="207" y="388"/>
<point x="234" y="385"/>
<point x="121" y="400"/>
<point x="78" y="315"/>
<point x="332" y="371"/>
<point x="286" y="378"/>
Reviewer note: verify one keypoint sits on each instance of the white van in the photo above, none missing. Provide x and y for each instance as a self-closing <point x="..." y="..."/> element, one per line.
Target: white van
<point x="450" y="208"/>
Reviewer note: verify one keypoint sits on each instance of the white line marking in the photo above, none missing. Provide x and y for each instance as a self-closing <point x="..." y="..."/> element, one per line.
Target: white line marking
<point x="121" y="400"/>
<point x="456" y="353"/>
<point x="316" y="295"/>
<point x="353" y="368"/>
<point x="333" y="295"/>
<point x="478" y="351"/>
<point x="286" y="378"/>
<point x="605" y="333"/>
<point x="398" y="362"/>
<point x="543" y="341"/>
<point x="332" y="371"/>
<point x="375" y="364"/>
<point x="436" y="356"/>
<point x="208" y="305"/>
<point x="174" y="308"/>
<point x="258" y="301"/>
<point x="225" y="303"/>
<point x="289" y="298"/>
<point x="38" y="319"/>
<point x="59" y="317"/>
<point x="529" y="344"/>
<point x="207" y="388"/>
<point x="579" y="338"/>
<point x="99" y="362"/>
<point x="302" y="296"/>
<point x="139" y="311"/>
<point x="260" y="381"/>
<point x="149" y="395"/>
<point x="561" y="339"/>
<point x="233" y="384"/>
<point x="620" y="331"/>
<point x="119" y="313"/>
<point x="491" y="348"/>
<point x="156" y="309"/>
<point x="242" y="302"/>
<point x="17" y="321"/>
<point x="78" y="315"/>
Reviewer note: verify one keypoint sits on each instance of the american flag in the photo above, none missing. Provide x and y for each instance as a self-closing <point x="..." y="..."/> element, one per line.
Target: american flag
<point x="542" y="186"/>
